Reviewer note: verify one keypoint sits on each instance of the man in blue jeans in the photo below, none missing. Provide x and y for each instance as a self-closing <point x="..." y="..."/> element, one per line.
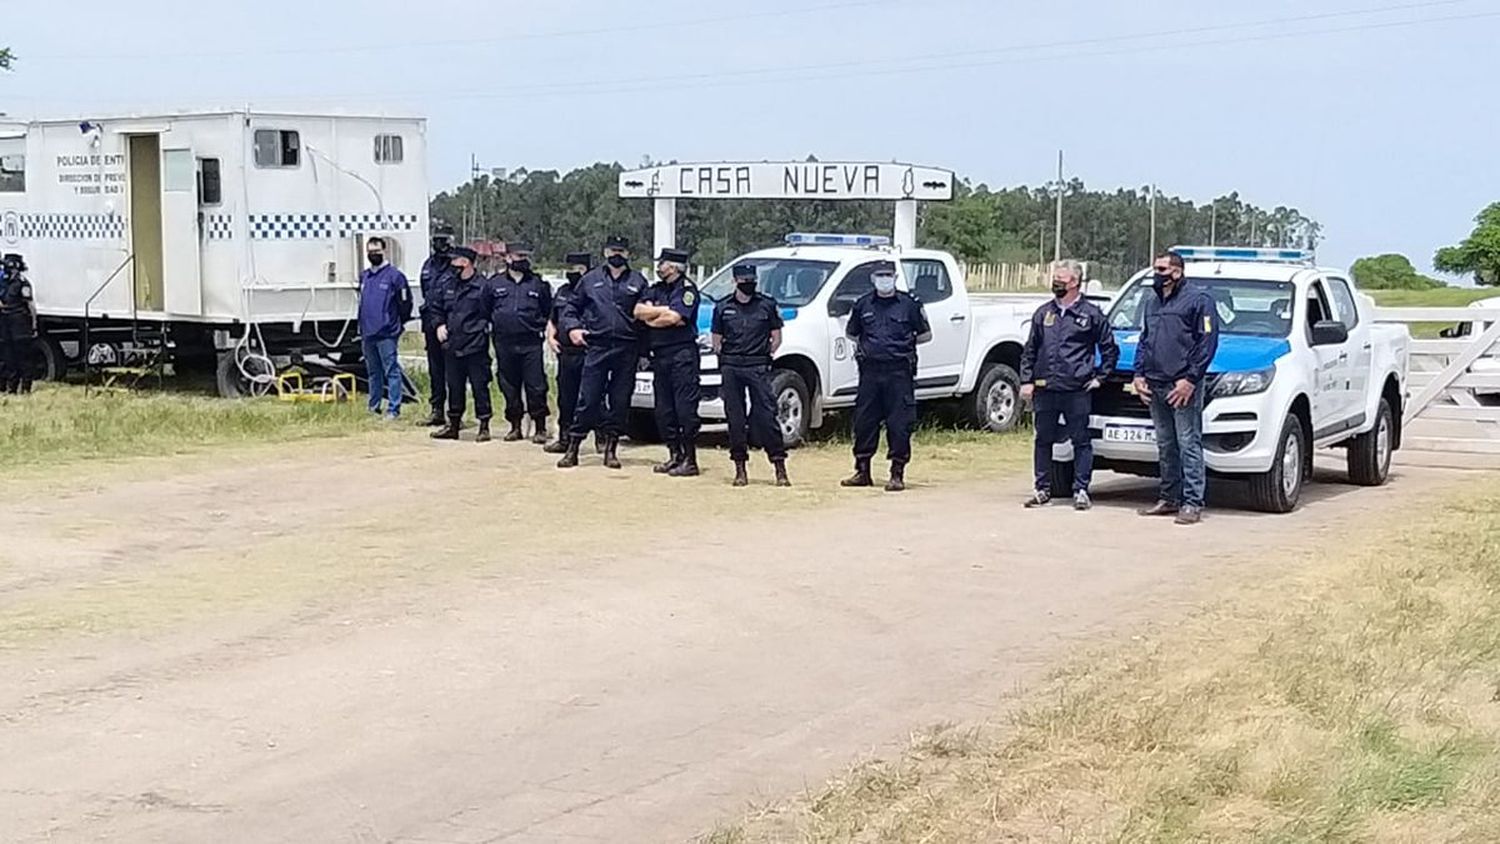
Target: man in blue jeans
<point x="384" y="308"/>
<point x="1069" y="351"/>
<point x="1179" y="335"/>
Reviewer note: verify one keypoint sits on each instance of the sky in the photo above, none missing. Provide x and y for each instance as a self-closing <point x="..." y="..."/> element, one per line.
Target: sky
<point x="1375" y="117"/>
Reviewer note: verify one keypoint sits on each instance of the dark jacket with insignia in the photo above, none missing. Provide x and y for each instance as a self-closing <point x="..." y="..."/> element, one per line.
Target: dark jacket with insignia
<point x="604" y="307"/>
<point x="464" y="307"/>
<point x="1179" y="336"/>
<point x="1066" y="349"/>
<point x="519" y="309"/>
<point x="886" y="328"/>
<point x="681" y="297"/>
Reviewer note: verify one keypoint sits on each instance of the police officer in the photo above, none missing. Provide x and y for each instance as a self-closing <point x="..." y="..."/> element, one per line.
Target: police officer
<point x="887" y="325"/>
<point x="521" y="301"/>
<point x="435" y="271"/>
<point x="1179" y="336"/>
<point x="600" y="316"/>
<point x="569" y="356"/>
<point x="669" y="310"/>
<point x="17" y="327"/>
<point x="746" y="333"/>
<point x="1058" y="372"/>
<point x="461" y="313"/>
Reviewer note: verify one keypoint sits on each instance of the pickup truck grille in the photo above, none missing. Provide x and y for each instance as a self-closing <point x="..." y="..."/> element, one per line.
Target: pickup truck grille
<point x="1112" y="399"/>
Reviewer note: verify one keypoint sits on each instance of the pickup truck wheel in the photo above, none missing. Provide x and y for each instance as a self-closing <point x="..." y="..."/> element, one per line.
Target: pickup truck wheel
<point x="790" y="393"/>
<point x="995" y="404"/>
<point x="1062" y="479"/>
<point x="1370" y="452"/>
<point x="1279" y="490"/>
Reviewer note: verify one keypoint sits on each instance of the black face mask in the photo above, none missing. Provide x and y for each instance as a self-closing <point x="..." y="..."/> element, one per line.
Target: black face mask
<point x="1059" y="289"/>
<point x="619" y="262"/>
<point x="574" y="276"/>
<point x="745" y="287"/>
<point x="521" y="266"/>
<point x="376" y="259"/>
<point x="1160" y="281"/>
<point x="441" y="247"/>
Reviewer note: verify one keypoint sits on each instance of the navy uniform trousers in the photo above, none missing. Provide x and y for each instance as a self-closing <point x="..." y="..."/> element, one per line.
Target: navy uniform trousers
<point x="887" y="395"/>
<point x="675" y="375"/>
<point x="472" y="371"/>
<point x="762" y="429"/>
<point x="569" y="381"/>
<point x="523" y="379"/>
<point x="607" y="381"/>
<point x="437" y="366"/>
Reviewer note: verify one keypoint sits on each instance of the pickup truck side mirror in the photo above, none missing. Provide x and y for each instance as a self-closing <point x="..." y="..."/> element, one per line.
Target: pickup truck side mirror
<point x="1329" y="333"/>
<point x="1449" y="333"/>
<point x="838" y="307"/>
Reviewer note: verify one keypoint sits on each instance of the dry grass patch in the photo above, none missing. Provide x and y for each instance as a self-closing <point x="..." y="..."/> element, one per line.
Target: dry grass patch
<point x="1354" y="700"/>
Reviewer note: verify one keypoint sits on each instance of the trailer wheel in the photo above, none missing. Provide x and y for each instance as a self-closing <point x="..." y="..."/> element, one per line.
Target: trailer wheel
<point x="51" y="364"/>
<point x="244" y="376"/>
<point x="995" y="404"/>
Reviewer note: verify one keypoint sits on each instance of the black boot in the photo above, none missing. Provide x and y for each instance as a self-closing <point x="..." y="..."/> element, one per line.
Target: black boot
<point x="539" y="431"/>
<point x="514" y="434"/>
<point x="780" y="467"/>
<point x="688" y="468"/>
<point x="897" y="483"/>
<point x="560" y="445"/>
<point x="674" y="459"/>
<point x="861" y="476"/>
<point x="484" y="431"/>
<point x="741" y="477"/>
<point x="449" y="431"/>
<point x="611" y="460"/>
<point x="598" y="443"/>
<point x="570" y="453"/>
<point x="435" y="420"/>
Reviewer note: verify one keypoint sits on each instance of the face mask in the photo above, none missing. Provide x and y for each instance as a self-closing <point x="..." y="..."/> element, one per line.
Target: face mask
<point x="574" y="276"/>
<point x="376" y="259"/>
<point x="1160" y="281"/>
<point x="619" y="262"/>
<point x="521" y="266"/>
<point x="457" y="269"/>
<point x="663" y="275"/>
<point x="885" y="285"/>
<point x="440" y="247"/>
<point x="746" y="287"/>
<point x="1059" y="289"/>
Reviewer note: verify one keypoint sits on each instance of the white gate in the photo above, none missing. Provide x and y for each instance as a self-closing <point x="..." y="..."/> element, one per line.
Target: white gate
<point x="1453" y="401"/>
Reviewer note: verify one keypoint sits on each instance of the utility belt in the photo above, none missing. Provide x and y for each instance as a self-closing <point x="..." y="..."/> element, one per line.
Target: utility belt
<point x="661" y="352"/>
<point x="888" y="364"/>
<point x="745" y="361"/>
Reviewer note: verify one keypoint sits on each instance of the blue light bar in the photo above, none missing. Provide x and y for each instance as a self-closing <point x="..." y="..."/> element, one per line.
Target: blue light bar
<point x="1244" y="254"/>
<point x="815" y="239"/>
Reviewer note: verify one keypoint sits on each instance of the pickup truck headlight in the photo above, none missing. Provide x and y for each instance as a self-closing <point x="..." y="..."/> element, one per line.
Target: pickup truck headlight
<point x="1244" y="383"/>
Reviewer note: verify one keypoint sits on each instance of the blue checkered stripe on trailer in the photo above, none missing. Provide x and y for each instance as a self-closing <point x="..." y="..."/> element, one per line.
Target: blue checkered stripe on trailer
<point x="291" y="226"/>
<point x="73" y="226"/>
<point x="360" y="223"/>
<point x="218" y="226"/>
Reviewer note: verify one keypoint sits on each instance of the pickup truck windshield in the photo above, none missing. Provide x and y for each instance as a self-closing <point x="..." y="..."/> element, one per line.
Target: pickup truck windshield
<point x="1254" y="308"/>
<point x="791" y="282"/>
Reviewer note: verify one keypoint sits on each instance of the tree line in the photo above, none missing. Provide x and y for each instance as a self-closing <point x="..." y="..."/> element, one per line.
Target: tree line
<point x="560" y="212"/>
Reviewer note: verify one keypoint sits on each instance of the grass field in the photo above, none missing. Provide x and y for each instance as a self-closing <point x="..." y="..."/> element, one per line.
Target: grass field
<point x="1442" y="297"/>
<point x="1353" y="701"/>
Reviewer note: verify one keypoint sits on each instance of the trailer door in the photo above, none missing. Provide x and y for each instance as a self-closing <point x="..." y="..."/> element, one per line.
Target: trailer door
<point x="181" y="244"/>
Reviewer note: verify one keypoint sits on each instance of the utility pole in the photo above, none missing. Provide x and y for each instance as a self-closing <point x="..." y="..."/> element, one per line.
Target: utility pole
<point x="1153" y="222"/>
<point x="1213" y="225"/>
<point x="1057" y="243"/>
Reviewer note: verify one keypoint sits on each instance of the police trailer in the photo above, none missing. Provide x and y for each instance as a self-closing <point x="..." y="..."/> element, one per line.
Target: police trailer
<point x="229" y="241"/>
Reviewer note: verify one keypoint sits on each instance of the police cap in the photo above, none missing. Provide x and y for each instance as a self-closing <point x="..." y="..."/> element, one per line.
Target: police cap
<point x="676" y="256"/>
<point x="883" y="268"/>
<point x="442" y="230"/>
<point x="615" y="241"/>
<point x="518" y="248"/>
<point x="576" y="258"/>
<point x="744" y="271"/>
<point x="464" y="252"/>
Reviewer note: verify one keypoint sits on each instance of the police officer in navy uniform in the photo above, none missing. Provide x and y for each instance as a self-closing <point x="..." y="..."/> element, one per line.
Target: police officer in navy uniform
<point x="887" y="325"/>
<point x="669" y="310"/>
<point x="746" y="333"/>
<point x="461" y="313"/>
<point x="17" y="327"/>
<point x="600" y="316"/>
<point x="435" y="271"/>
<point x="1069" y="351"/>
<point x="522" y="301"/>
<point x="569" y="356"/>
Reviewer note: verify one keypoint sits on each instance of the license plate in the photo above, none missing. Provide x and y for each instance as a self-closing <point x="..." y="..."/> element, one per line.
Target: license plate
<point x="1129" y="434"/>
<point x="642" y="387"/>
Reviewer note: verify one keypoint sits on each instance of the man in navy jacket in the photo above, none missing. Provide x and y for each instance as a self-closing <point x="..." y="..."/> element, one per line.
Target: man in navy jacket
<point x="384" y="308"/>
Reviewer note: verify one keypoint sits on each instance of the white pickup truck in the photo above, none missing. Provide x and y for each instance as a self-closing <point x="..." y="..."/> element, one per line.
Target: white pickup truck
<point x="974" y="354"/>
<point x="1301" y="365"/>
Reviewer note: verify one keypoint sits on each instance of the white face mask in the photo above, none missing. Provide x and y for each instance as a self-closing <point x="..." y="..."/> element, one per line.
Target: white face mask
<point x="885" y="284"/>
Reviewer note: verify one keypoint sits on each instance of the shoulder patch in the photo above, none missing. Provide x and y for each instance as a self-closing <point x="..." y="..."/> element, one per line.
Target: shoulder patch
<point x="1050" y="319"/>
<point x="689" y="297"/>
<point x="1208" y="324"/>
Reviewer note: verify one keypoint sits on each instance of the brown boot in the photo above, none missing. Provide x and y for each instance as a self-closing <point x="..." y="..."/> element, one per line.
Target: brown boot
<point x="741" y="476"/>
<point x="1189" y="516"/>
<point x="611" y="458"/>
<point x="781" y="478"/>
<point x="861" y="476"/>
<point x="897" y="483"/>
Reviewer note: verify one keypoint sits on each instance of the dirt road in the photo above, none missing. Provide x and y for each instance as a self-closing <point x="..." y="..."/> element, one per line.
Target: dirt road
<point x="360" y="652"/>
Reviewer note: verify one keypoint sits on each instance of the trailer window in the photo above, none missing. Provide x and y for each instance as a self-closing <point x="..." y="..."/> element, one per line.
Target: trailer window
<point x="210" y="187"/>
<point x="12" y="165"/>
<point x="389" y="149"/>
<point x="277" y="148"/>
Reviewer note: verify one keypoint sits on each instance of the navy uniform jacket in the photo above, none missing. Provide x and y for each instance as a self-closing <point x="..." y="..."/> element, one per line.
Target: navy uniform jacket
<point x="682" y="298"/>
<point x="886" y="328"/>
<point x="435" y="271"/>
<point x="604" y="307"/>
<point x="519" y="309"/>
<point x="744" y="329"/>
<point x="464" y="306"/>
<point x="16" y="304"/>
<point x="1179" y="336"/>
<point x="384" y="302"/>
<point x="560" y="301"/>
<point x="1062" y="347"/>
